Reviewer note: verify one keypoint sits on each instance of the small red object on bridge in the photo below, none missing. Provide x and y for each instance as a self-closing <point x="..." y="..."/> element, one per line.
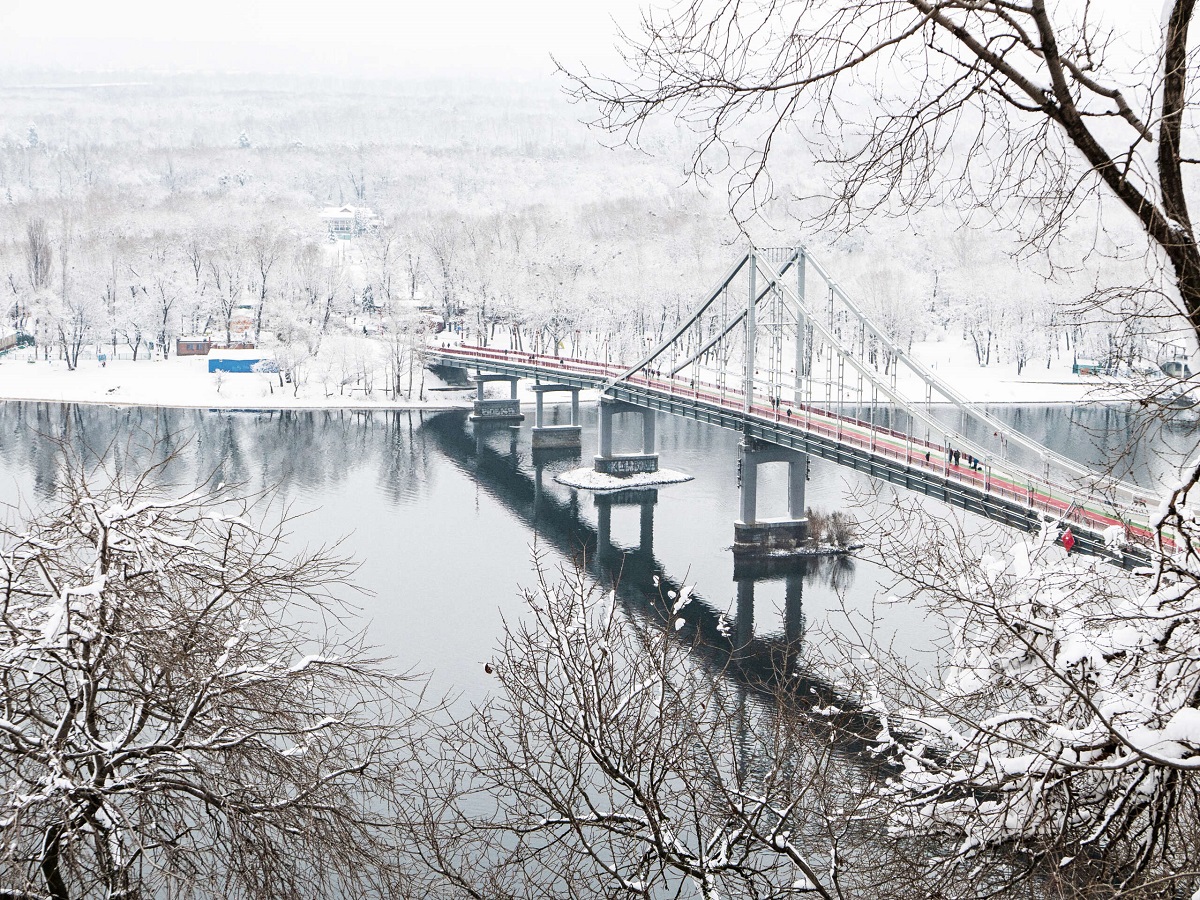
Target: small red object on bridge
<point x="1068" y="540"/>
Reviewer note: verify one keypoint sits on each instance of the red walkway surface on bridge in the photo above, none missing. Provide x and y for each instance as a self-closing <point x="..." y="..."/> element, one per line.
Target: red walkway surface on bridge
<point x="1082" y="509"/>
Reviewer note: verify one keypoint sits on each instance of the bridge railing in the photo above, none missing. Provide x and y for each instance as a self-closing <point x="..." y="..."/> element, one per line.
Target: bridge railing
<point x="1086" y="511"/>
<point x="1082" y="509"/>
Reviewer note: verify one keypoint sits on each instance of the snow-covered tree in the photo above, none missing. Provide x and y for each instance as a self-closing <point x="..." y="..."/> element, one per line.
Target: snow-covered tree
<point x="296" y="340"/>
<point x="165" y="291"/>
<point x="266" y="245"/>
<point x="612" y="761"/>
<point x="39" y="254"/>
<point x="443" y="240"/>
<point x="1026" y="112"/>
<point x="1059" y="737"/>
<point x="227" y="268"/>
<point x="73" y="311"/>
<point x="169" y="726"/>
<point x="385" y="263"/>
<point x="405" y="333"/>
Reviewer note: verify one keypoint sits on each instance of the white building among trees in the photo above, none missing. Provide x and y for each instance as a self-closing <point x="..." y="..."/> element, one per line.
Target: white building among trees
<point x="348" y="222"/>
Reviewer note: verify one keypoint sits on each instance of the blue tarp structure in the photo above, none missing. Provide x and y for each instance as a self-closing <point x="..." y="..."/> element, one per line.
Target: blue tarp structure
<point x="239" y="361"/>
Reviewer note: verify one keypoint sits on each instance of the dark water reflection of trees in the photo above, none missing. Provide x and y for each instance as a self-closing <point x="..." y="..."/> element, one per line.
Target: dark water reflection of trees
<point x="301" y="451"/>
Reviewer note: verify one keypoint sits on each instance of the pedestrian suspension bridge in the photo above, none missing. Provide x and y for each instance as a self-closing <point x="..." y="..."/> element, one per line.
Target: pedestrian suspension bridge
<point x="780" y="353"/>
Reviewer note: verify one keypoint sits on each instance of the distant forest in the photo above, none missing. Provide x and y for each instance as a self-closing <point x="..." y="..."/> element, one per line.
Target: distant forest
<point x="137" y="208"/>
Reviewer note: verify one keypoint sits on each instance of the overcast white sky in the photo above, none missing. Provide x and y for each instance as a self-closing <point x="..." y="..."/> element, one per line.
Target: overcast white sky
<point x="352" y="37"/>
<point x="372" y="37"/>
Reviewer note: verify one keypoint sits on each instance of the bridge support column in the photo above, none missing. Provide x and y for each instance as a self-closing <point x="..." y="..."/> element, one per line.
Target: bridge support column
<point x="496" y="410"/>
<point x="603" y="529"/>
<point x="646" y="525"/>
<point x="752" y="535"/>
<point x="611" y="463"/>
<point x="556" y="436"/>
<point x="793" y="612"/>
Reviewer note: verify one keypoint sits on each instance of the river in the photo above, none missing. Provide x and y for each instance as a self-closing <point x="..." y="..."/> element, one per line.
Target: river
<point x="445" y="519"/>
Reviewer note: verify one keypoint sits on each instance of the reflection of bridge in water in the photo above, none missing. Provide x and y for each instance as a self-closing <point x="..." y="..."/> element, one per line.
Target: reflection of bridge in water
<point x="781" y="354"/>
<point x="764" y="665"/>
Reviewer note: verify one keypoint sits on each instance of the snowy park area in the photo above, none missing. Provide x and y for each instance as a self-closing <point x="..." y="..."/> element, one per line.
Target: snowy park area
<point x="953" y="361"/>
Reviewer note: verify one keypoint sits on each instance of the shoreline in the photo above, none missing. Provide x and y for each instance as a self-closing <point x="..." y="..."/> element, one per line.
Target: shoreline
<point x="412" y="406"/>
<point x="209" y="407"/>
<point x="185" y="383"/>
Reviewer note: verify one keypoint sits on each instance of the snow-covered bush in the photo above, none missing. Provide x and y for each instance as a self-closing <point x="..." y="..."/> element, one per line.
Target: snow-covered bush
<point x="1060" y="736"/>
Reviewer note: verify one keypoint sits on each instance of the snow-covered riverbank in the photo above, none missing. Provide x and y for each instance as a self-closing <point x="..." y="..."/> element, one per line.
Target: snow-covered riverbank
<point x="186" y="382"/>
<point x="954" y="363"/>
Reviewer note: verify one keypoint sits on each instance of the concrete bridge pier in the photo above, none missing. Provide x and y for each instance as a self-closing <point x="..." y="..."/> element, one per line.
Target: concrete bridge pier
<point x="646" y="527"/>
<point x="604" y="547"/>
<point x="555" y="436"/>
<point x="752" y="535"/>
<point x="610" y="463"/>
<point x="496" y="410"/>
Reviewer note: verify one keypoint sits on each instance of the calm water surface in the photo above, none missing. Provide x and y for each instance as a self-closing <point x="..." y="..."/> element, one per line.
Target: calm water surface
<point x="445" y="518"/>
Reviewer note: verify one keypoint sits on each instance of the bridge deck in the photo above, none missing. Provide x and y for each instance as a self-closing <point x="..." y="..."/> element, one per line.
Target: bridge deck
<point x="998" y="490"/>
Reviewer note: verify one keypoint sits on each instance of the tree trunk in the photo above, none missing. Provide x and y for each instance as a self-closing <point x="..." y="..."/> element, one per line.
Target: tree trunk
<point x="1185" y="259"/>
<point x="49" y="864"/>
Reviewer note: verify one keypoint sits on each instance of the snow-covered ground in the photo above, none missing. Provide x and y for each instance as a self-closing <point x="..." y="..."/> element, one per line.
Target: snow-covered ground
<point x="953" y="361"/>
<point x="186" y="382"/>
